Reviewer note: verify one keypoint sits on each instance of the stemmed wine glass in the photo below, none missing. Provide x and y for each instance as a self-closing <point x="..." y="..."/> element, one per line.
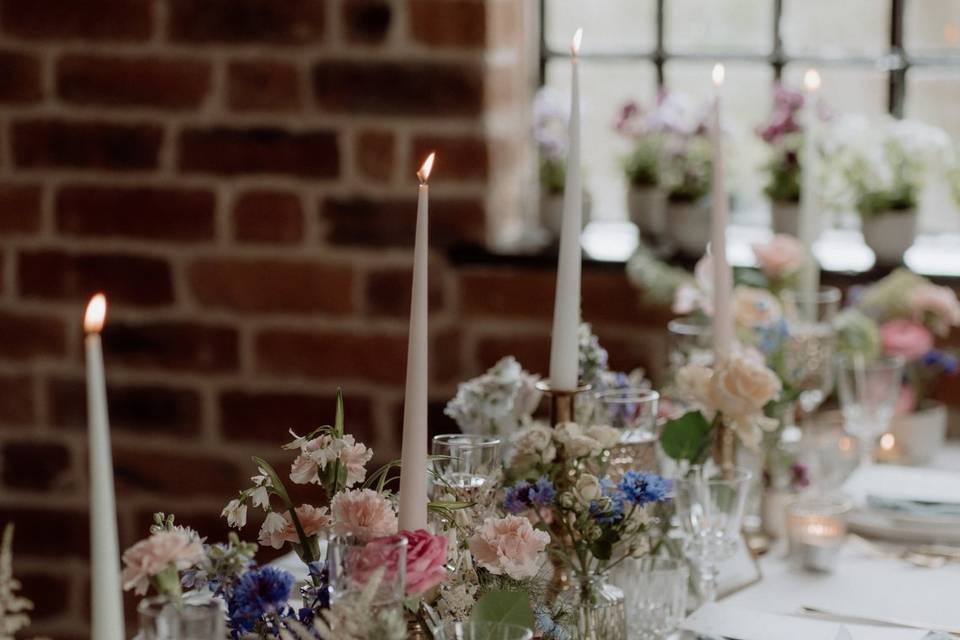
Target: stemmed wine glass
<point x="868" y="393"/>
<point x="464" y="464"/>
<point x="810" y="343"/>
<point x="710" y="507"/>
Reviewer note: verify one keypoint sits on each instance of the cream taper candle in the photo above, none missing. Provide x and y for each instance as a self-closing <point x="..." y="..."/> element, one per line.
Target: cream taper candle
<point x="809" y="226"/>
<point x="720" y="215"/>
<point x="564" y="345"/>
<point x="413" y="455"/>
<point x="106" y="597"/>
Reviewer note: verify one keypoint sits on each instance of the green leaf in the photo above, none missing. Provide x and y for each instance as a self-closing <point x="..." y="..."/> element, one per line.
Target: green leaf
<point x="510" y="607"/>
<point x="338" y="419"/>
<point x="686" y="437"/>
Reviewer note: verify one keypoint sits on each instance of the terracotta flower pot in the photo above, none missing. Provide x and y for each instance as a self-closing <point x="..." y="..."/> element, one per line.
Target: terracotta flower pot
<point x="646" y="206"/>
<point x="688" y="226"/>
<point x="785" y="217"/>
<point x="890" y="234"/>
<point x="921" y="434"/>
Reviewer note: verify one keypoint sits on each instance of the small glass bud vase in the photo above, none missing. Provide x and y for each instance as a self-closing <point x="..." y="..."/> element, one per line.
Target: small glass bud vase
<point x="597" y="608"/>
<point x="164" y="619"/>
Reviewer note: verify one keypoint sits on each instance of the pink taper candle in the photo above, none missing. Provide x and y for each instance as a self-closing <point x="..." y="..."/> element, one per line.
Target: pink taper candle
<point x="413" y="455"/>
<point x="722" y="274"/>
<point x="564" y="345"/>
<point x="106" y="596"/>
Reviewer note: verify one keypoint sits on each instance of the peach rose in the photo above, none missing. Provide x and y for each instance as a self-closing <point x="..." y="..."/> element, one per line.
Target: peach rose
<point x="509" y="546"/>
<point x="905" y="338"/>
<point x="780" y="257"/>
<point x="940" y="303"/>
<point x="176" y="548"/>
<point x="363" y="513"/>
<point x="739" y="389"/>
<point x="755" y="308"/>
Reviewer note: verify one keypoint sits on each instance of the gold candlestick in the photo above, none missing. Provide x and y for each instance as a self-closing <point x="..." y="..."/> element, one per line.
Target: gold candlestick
<point x="563" y="403"/>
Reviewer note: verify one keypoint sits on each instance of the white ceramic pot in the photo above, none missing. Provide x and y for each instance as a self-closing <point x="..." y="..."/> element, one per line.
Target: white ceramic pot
<point x="551" y="211"/>
<point x="646" y="206"/>
<point x="785" y="218"/>
<point x="921" y="434"/>
<point x="890" y="234"/>
<point x="688" y="226"/>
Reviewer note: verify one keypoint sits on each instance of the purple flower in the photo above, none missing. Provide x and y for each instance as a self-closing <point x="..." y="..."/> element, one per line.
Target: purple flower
<point x="642" y="488"/>
<point x="945" y="361"/>
<point x="542" y="493"/>
<point x="517" y="499"/>
<point x="258" y="592"/>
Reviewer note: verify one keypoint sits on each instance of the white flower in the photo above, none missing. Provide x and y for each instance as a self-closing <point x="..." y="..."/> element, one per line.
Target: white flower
<point x="606" y="435"/>
<point x="236" y="514"/>
<point x="260" y="497"/>
<point x="314" y="457"/>
<point x="497" y="402"/>
<point x="575" y="443"/>
<point x="588" y="489"/>
<point x="532" y="444"/>
<point x="272" y="531"/>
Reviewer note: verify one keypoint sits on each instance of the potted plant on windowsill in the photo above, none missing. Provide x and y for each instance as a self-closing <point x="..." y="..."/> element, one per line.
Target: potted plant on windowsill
<point x="646" y="200"/>
<point x="686" y="178"/>
<point x="784" y="137"/>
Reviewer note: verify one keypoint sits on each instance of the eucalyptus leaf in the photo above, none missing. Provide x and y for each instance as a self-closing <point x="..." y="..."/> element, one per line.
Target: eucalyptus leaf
<point x="509" y="607"/>
<point x="686" y="437"/>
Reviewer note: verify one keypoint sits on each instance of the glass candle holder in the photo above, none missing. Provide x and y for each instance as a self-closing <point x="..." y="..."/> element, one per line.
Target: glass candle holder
<point x="816" y="530"/>
<point x="633" y="411"/>
<point x="353" y="563"/>
<point x="464" y="465"/>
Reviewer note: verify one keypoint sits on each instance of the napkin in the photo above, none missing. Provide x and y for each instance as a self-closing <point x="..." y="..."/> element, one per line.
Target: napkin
<point x="907" y="488"/>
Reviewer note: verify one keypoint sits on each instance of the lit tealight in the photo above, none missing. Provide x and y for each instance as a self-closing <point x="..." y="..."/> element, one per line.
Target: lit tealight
<point x="718" y="74"/>
<point x="888" y="441"/>
<point x="811" y="80"/>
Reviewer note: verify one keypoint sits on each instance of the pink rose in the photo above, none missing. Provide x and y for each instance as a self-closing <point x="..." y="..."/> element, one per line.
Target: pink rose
<point x="940" y="303"/>
<point x="363" y="513"/>
<point x="905" y="338"/>
<point x="426" y="560"/>
<point x="176" y="548"/>
<point x="780" y="257"/>
<point x="509" y="546"/>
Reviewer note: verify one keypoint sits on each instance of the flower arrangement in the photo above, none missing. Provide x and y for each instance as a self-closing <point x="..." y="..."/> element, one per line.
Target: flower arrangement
<point x="879" y="166"/>
<point x="779" y="262"/>
<point x="498" y="402"/>
<point x="783" y="134"/>
<point x="550" y="118"/>
<point x="13" y="607"/>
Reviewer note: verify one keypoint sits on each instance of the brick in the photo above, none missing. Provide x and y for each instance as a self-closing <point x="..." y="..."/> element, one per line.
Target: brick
<point x="50" y="594"/>
<point x="388" y="291"/>
<point x="126" y="278"/>
<point x="507" y="293"/>
<point x="532" y="351"/>
<point x="170" y="474"/>
<point x="274" y="217"/>
<point x="446" y="362"/>
<point x="133" y="407"/>
<point x="375" y="153"/>
<point x="172" y="345"/>
<point x="28" y="336"/>
<point x="272" y="286"/>
<point x="163" y="83"/>
<point x="19" y="209"/>
<point x="237" y="21"/>
<point x="16" y="400"/>
<point x="358" y="221"/>
<point x="609" y="297"/>
<point x="38" y="466"/>
<point x="333" y="355"/>
<point x="423" y="89"/>
<point x="145" y="213"/>
<point x="228" y="151"/>
<point x="19" y="78"/>
<point x="441" y="23"/>
<point x="438" y="423"/>
<point x="366" y="21"/>
<point x="458" y="157"/>
<point x="263" y="85"/>
<point x="85" y="145"/>
<point x="256" y="416"/>
<point x="124" y="20"/>
<point x="49" y="532"/>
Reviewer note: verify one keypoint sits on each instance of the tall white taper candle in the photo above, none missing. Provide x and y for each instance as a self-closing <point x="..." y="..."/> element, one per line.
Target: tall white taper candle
<point x="809" y="226"/>
<point x="413" y="455"/>
<point x="722" y="273"/>
<point x="106" y="596"/>
<point x="564" y="346"/>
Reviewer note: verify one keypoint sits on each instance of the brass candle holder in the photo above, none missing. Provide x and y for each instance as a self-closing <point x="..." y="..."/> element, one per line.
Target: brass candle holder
<point x="563" y="402"/>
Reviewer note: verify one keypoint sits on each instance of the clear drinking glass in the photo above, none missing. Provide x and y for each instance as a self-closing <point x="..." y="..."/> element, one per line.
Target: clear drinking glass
<point x="868" y="391"/>
<point x="656" y="595"/>
<point x="161" y="619"/>
<point x="476" y="630"/>
<point x="634" y="412"/>
<point x="691" y="342"/>
<point x="464" y="464"/>
<point x="710" y="508"/>
<point x="811" y="343"/>
<point x="353" y="563"/>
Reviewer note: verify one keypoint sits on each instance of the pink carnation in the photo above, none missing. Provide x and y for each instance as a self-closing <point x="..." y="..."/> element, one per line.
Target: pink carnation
<point x="509" y="546"/>
<point x="905" y="338"/>
<point x="780" y="257"/>
<point x="177" y="548"/>
<point x="363" y="513"/>
<point x="940" y="303"/>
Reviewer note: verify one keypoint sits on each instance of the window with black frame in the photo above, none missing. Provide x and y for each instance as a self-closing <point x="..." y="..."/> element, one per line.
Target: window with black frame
<point x="900" y="57"/>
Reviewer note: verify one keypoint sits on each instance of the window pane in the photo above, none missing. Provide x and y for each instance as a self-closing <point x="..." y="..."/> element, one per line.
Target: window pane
<point x="609" y="25"/>
<point x="933" y="26"/>
<point x="605" y="86"/>
<point x="831" y="28"/>
<point x="932" y="96"/>
<point x="719" y="25"/>
<point x="846" y="89"/>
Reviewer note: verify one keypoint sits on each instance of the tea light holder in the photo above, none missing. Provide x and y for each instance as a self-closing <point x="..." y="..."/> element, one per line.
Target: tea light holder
<point x="816" y="530"/>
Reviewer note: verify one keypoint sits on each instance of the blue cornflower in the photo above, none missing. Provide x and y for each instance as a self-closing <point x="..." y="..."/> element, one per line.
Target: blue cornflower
<point x="542" y="493"/>
<point x="942" y="359"/>
<point x="642" y="488"/>
<point x="257" y="592"/>
<point x="549" y="627"/>
<point x="518" y="497"/>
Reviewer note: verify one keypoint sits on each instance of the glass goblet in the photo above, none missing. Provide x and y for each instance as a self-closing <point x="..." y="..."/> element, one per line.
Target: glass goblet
<point x="810" y="343"/>
<point x="710" y="509"/>
<point x="634" y="412"/>
<point x="353" y="563"/>
<point x="464" y="465"/>
<point x="477" y="630"/>
<point x="868" y="391"/>
<point x="656" y="595"/>
<point x="690" y="342"/>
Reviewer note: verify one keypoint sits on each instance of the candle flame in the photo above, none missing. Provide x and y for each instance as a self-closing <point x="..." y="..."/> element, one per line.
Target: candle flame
<point x="575" y="45"/>
<point x="718" y="73"/>
<point x="424" y="174"/>
<point x="96" y="314"/>
<point x="888" y="441"/>
<point x="811" y="80"/>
